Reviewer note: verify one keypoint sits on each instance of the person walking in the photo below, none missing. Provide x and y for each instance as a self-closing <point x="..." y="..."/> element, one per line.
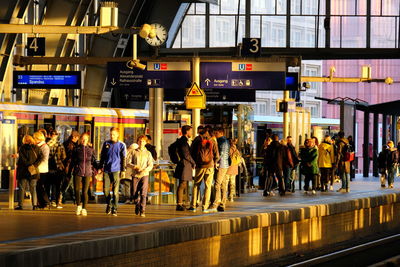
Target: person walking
<point x="392" y="161"/>
<point x="295" y="160"/>
<point x="43" y="168"/>
<point x="29" y="157"/>
<point x="83" y="162"/>
<point x="113" y="164"/>
<point x="57" y="174"/>
<point x="309" y="165"/>
<point x="127" y="182"/>
<point x="220" y="185"/>
<point x="343" y="162"/>
<point x="288" y="165"/>
<point x="382" y="165"/>
<point x="274" y="160"/>
<point x="206" y="156"/>
<point x="184" y="168"/>
<point x="141" y="163"/>
<point x="326" y="161"/>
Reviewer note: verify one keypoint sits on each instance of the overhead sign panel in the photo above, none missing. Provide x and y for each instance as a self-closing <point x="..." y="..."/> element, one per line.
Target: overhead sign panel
<point x="158" y="74"/>
<point x="243" y="75"/>
<point x="47" y="79"/>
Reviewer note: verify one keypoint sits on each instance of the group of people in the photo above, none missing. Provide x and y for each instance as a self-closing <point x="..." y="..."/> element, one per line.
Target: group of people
<point x="388" y="163"/>
<point x="319" y="163"/>
<point x="47" y="168"/>
<point x="211" y="158"/>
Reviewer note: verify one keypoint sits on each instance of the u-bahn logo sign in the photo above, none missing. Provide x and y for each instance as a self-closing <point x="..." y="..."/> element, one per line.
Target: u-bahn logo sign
<point x="245" y="67"/>
<point x="160" y="66"/>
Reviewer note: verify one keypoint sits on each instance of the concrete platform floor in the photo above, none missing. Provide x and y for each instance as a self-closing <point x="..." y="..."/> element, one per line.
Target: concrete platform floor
<point x="27" y="229"/>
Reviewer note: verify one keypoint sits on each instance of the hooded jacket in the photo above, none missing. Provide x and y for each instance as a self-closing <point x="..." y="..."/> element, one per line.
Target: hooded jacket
<point x="326" y="155"/>
<point x="83" y="160"/>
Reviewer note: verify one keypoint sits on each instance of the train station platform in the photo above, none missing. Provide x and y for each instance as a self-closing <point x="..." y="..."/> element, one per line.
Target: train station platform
<point x="253" y="230"/>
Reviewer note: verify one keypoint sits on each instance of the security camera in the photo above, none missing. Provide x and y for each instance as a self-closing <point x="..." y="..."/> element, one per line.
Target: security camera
<point x="306" y="85"/>
<point x="135" y="64"/>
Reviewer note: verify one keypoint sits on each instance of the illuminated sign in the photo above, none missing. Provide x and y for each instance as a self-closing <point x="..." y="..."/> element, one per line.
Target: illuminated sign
<point x="47" y="79"/>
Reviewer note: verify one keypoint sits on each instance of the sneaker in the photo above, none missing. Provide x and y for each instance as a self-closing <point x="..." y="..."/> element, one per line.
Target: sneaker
<point x="265" y="194"/>
<point x="341" y="190"/>
<point x="220" y="209"/>
<point x="128" y="202"/>
<point x="142" y="214"/>
<point x="330" y="188"/>
<point x="313" y="192"/>
<point x="192" y="209"/>
<point x="108" y="209"/>
<point x="383" y="186"/>
<point x="271" y="193"/>
<point x="306" y="192"/>
<point x="59" y="206"/>
<point x="347" y="190"/>
<point x="78" y="210"/>
<point x="53" y="204"/>
<point x="84" y="212"/>
<point x="213" y="210"/>
<point x="114" y="212"/>
<point x="391" y="186"/>
<point x="180" y="208"/>
<point x="137" y="210"/>
<point x="18" y="208"/>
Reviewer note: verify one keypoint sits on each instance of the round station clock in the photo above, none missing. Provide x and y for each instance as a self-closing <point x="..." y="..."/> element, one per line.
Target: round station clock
<point x="161" y="35"/>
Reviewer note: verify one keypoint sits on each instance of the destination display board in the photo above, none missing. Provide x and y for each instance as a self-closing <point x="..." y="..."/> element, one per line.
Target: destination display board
<point x="47" y="79"/>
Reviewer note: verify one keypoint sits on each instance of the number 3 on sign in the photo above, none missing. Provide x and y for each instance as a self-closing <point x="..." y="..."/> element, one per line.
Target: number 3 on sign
<point x="255" y="45"/>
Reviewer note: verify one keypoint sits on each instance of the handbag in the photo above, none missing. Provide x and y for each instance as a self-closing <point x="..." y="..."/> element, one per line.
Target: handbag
<point x="32" y="170"/>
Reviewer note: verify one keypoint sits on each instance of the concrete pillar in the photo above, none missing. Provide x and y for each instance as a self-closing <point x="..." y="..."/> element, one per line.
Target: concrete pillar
<point x="285" y="116"/>
<point x="375" y="145"/>
<point x="365" y="146"/>
<point x="196" y="79"/>
<point x="384" y="129"/>
<point x="156" y="99"/>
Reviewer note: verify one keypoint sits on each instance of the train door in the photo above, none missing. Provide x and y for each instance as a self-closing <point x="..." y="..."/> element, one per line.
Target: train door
<point x="8" y="135"/>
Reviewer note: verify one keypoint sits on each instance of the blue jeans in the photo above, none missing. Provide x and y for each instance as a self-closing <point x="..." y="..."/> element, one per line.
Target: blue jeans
<point x="22" y="185"/>
<point x="345" y="177"/>
<point x="288" y="176"/>
<point x="111" y="178"/>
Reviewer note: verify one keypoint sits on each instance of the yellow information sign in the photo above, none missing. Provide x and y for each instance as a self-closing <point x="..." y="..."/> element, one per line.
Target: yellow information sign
<point x="195" y="97"/>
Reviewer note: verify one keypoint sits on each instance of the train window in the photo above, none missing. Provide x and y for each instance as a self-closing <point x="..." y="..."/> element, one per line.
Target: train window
<point x="64" y="131"/>
<point x="101" y="134"/>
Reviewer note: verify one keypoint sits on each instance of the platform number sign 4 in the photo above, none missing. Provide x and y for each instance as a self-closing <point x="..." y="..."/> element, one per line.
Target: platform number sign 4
<point x="36" y="46"/>
<point x="251" y="47"/>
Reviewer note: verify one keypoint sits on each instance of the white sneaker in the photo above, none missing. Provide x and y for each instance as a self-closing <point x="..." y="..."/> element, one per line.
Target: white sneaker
<point x="84" y="212"/>
<point x="271" y="193"/>
<point x="313" y="192"/>
<point x="78" y="210"/>
<point x="330" y="188"/>
<point x="306" y="192"/>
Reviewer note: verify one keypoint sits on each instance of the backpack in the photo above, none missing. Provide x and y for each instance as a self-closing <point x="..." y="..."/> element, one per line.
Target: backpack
<point x="348" y="152"/>
<point x="205" y="152"/>
<point x="235" y="157"/>
<point x="173" y="152"/>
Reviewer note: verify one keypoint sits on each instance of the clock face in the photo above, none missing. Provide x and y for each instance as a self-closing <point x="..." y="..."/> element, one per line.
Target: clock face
<point x="161" y="35"/>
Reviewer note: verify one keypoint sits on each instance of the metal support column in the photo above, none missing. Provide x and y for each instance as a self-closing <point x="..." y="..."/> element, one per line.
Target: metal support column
<point x="196" y="79"/>
<point x="375" y="145"/>
<point x="384" y="129"/>
<point x="366" y="145"/>
<point x="240" y="136"/>
<point x="393" y="136"/>
<point x="156" y="99"/>
<point x="342" y="118"/>
<point x="285" y="116"/>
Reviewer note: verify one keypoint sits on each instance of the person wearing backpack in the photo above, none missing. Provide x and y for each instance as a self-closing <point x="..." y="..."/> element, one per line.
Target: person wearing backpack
<point x="233" y="169"/>
<point x="344" y="162"/>
<point x="392" y="161"/>
<point x="205" y="155"/>
<point x="274" y="158"/>
<point x="185" y="166"/>
<point x="326" y="161"/>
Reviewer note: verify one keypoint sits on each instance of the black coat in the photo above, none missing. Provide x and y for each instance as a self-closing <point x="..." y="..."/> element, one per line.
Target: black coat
<point x="183" y="170"/>
<point x="274" y="157"/>
<point x="83" y="160"/>
<point x="28" y="155"/>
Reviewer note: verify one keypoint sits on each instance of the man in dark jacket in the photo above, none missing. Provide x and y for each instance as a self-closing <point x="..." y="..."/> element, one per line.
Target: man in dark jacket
<point x="151" y="147"/>
<point x="113" y="162"/>
<point x="184" y="169"/>
<point x="274" y="159"/>
<point x="67" y="184"/>
<point x="204" y="168"/>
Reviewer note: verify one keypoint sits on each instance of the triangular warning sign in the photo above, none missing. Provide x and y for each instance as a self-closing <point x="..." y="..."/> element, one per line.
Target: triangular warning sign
<point x="194" y="90"/>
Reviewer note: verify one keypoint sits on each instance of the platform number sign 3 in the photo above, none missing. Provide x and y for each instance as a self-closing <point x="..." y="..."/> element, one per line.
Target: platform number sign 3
<point x="36" y="46"/>
<point x="251" y="47"/>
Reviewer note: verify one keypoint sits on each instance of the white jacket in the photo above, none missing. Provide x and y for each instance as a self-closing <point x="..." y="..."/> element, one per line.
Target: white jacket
<point x="44" y="164"/>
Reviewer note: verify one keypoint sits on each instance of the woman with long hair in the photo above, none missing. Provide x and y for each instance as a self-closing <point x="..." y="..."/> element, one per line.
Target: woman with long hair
<point x="83" y="160"/>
